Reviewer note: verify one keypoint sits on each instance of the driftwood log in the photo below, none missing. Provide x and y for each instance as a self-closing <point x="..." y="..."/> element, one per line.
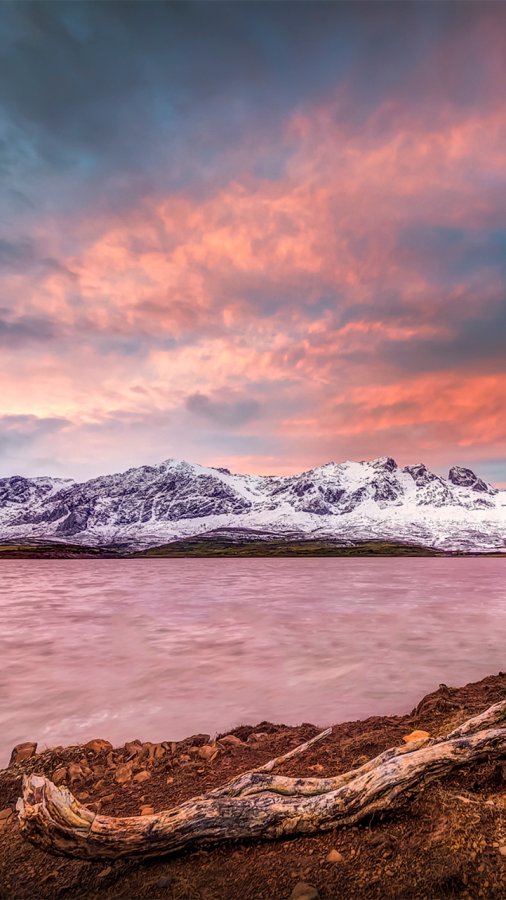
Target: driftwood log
<point x="259" y="804"/>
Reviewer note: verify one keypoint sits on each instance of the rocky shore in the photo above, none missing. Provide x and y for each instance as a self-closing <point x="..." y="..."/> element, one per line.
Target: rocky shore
<point x="449" y="840"/>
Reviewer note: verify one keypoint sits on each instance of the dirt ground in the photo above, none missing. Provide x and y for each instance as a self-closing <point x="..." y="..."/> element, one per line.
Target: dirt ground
<point x="447" y="841"/>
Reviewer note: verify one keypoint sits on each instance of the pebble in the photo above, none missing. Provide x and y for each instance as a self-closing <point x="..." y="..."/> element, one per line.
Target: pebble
<point x="147" y="810"/>
<point x="142" y="776"/>
<point x="104" y="872"/>
<point x="98" y="745"/>
<point x="417" y="735"/>
<point x="502" y="850"/>
<point x="164" y="881"/>
<point x="5" y="815"/>
<point x="257" y="737"/>
<point x="59" y="775"/>
<point x="208" y="751"/>
<point x="22" y="751"/>
<point x="123" y="773"/>
<point x="334" y="856"/>
<point x="230" y="740"/>
<point x="304" y="891"/>
<point x="133" y="748"/>
<point x="75" y="772"/>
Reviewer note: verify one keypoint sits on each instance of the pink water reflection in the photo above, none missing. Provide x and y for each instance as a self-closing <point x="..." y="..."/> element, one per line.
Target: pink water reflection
<point x="159" y="649"/>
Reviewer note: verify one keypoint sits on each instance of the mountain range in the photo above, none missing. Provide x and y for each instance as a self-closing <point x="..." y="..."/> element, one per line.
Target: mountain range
<point x="344" y="502"/>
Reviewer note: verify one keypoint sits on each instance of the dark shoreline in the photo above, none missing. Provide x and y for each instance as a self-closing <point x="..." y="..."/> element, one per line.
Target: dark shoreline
<point x="209" y="548"/>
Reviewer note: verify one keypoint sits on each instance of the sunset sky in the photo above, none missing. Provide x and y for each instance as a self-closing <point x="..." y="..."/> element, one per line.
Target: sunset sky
<point x="262" y="235"/>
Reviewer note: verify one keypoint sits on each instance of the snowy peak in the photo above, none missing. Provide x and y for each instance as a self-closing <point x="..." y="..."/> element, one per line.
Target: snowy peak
<point x="466" y="478"/>
<point x="154" y="504"/>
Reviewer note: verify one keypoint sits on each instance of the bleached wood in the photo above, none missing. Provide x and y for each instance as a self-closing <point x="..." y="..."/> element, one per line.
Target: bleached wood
<point x="258" y="804"/>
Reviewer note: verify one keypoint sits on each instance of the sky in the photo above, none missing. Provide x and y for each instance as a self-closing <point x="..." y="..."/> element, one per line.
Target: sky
<point x="260" y="235"/>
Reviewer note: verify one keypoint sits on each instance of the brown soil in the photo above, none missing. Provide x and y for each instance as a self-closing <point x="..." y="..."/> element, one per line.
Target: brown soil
<point x="444" y="842"/>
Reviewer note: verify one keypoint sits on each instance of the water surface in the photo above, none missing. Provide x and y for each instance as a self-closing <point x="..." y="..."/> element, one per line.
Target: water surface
<point x="162" y="648"/>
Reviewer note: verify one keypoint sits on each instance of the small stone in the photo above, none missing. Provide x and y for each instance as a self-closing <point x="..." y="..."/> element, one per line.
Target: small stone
<point x="59" y="775"/>
<point x="104" y="872"/>
<point x="169" y="780"/>
<point x="22" y="751"/>
<point x="83" y="795"/>
<point x="133" y="748"/>
<point x="98" y="745"/>
<point x="304" y="891"/>
<point x="208" y="751"/>
<point x="147" y="810"/>
<point x="334" y="856"/>
<point x="5" y="815"/>
<point x="198" y="739"/>
<point x="107" y="798"/>
<point x="142" y="776"/>
<point x="123" y="773"/>
<point x="502" y="850"/>
<point x="75" y="772"/>
<point x="230" y="740"/>
<point x="416" y="736"/>
<point x="164" y="882"/>
<point x="257" y="737"/>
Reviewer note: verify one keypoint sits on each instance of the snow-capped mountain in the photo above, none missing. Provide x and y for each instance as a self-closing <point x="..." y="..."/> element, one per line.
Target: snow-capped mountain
<point x="347" y="501"/>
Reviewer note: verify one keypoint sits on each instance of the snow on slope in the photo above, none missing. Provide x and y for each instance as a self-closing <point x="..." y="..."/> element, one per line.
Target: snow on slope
<point x="347" y="501"/>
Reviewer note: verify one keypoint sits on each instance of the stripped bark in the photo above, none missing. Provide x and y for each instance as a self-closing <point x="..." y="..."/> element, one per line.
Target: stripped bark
<point x="257" y="804"/>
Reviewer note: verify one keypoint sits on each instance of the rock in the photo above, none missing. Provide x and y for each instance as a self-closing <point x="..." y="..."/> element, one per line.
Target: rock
<point x="107" y="798"/>
<point x="123" y="773"/>
<point x="104" y="872"/>
<point x="164" y="882"/>
<point x="169" y="780"/>
<point x="334" y="856"/>
<point x="133" y="748"/>
<point x="208" y="751"/>
<point x="304" y="891"/>
<point x="75" y="772"/>
<point x="198" y="740"/>
<point x="98" y="745"/>
<point x="5" y="815"/>
<point x="147" y="810"/>
<point x="257" y="737"/>
<point x="22" y="751"/>
<point x="142" y="776"/>
<point x="502" y="850"/>
<point x="59" y="775"/>
<point x="152" y="751"/>
<point x="230" y="740"/>
<point x="417" y="735"/>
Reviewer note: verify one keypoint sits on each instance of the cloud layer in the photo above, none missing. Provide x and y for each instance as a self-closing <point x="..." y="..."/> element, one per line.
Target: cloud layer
<point x="260" y="235"/>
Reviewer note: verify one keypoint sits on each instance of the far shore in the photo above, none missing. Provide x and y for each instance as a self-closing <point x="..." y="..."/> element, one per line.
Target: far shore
<point x="220" y="548"/>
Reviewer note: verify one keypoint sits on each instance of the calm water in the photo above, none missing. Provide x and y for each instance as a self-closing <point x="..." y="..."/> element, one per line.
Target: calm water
<point x="159" y="649"/>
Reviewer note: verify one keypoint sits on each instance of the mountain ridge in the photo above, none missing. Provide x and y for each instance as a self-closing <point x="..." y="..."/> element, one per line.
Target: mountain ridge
<point x="367" y="500"/>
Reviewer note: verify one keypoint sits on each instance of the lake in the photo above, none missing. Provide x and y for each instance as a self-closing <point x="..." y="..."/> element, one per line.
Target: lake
<point x="163" y="648"/>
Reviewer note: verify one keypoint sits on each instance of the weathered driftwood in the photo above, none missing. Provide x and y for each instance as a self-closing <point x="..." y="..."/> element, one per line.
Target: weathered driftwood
<point x="257" y="804"/>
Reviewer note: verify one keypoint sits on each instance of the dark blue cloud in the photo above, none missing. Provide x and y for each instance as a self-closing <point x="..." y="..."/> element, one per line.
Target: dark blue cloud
<point x="109" y="90"/>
